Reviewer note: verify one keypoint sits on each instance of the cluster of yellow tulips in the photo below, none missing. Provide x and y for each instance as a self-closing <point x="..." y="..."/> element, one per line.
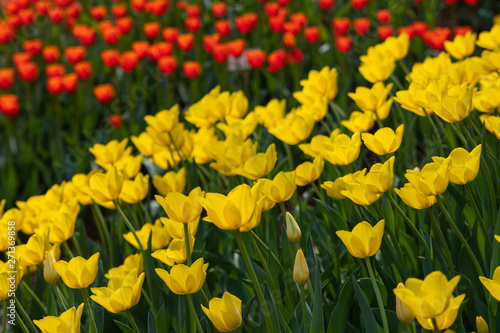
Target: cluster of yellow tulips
<point x="298" y="276"/>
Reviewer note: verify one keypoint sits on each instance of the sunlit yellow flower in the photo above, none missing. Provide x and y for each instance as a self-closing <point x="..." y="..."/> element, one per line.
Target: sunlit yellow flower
<point x="281" y="188"/>
<point x="413" y="99"/>
<point x="397" y="47"/>
<point x="9" y="275"/>
<point x="404" y="315"/>
<point x="375" y="71"/>
<point x="133" y="261"/>
<point x="293" y="128"/>
<point x="432" y="179"/>
<point x="481" y="325"/>
<point x="129" y="165"/>
<point x="492" y="124"/>
<point x="78" y="273"/>
<point x="164" y="121"/>
<point x="183" y="280"/>
<point x="134" y="191"/>
<point x="493" y="285"/>
<point x="224" y="313"/>
<point x="455" y="105"/>
<point x="384" y="141"/>
<point x="49" y="272"/>
<point x="317" y="85"/>
<point x="430" y="297"/>
<point x="60" y="225"/>
<point x="334" y="189"/>
<point x="308" y="172"/>
<point x="364" y="240"/>
<point x="181" y="208"/>
<point x="488" y="98"/>
<point x="359" y="122"/>
<point x="315" y="148"/>
<point x="231" y="153"/>
<point x="175" y="253"/>
<point x="461" y="46"/>
<point x="414" y="198"/>
<point x="176" y="230"/>
<point x="380" y="178"/>
<point x="358" y="193"/>
<point x="108" y="186"/>
<point x="159" y="236"/>
<point x="270" y="114"/>
<point x="242" y="128"/>
<point x="464" y="166"/>
<point x="33" y="252"/>
<point x="239" y="210"/>
<point x="445" y="319"/>
<point x="109" y="154"/>
<point x="120" y="294"/>
<point x="490" y="39"/>
<point x="68" y="321"/>
<point x="374" y="99"/>
<point x="259" y="165"/>
<point x="342" y="149"/>
<point x="317" y="110"/>
<point x="300" y="269"/>
<point x="145" y="144"/>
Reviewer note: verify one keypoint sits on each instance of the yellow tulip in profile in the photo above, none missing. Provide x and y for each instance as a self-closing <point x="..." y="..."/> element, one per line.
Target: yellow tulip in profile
<point x="68" y="321"/>
<point x="364" y="240"/>
<point x="341" y="149"/>
<point x="106" y="187"/>
<point x="359" y="122"/>
<point x="384" y="141"/>
<point x="493" y="285"/>
<point x="224" y="313"/>
<point x="7" y="272"/>
<point x="294" y="128"/>
<point x="464" y="166"/>
<point x="134" y="191"/>
<point x="430" y="297"/>
<point x="380" y="178"/>
<point x="133" y="261"/>
<point x="159" y="236"/>
<point x="293" y="231"/>
<point x="164" y="121"/>
<point x="184" y="280"/>
<point x="308" y="172"/>
<point x="259" y="165"/>
<point x="120" y="294"/>
<point x="109" y="154"/>
<point x="445" y="319"/>
<point x="181" y="208"/>
<point x="375" y="71"/>
<point x="456" y="104"/>
<point x="170" y="182"/>
<point x="49" y="272"/>
<point x="490" y="39"/>
<point x="414" y="198"/>
<point x="78" y="273"/>
<point x="481" y="325"/>
<point x="461" y="46"/>
<point x="300" y="269"/>
<point x="334" y="189"/>
<point x="402" y="312"/>
<point x="432" y="179"/>
<point x="373" y="99"/>
<point x="33" y="252"/>
<point x="281" y="188"/>
<point x="175" y="253"/>
<point x="317" y="85"/>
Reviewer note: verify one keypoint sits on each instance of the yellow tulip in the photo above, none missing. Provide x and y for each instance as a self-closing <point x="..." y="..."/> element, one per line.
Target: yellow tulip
<point x="461" y="46"/>
<point x="109" y="154"/>
<point x="134" y="191"/>
<point x="402" y="312"/>
<point x="231" y="153"/>
<point x="300" y="269"/>
<point x="414" y="198"/>
<point x="33" y="252"/>
<point x="159" y="236"/>
<point x="334" y="189"/>
<point x="145" y="144"/>
<point x="492" y="124"/>
<point x="78" y="273"/>
<point x="133" y="261"/>
<point x="239" y="210"/>
<point x="464" y="166"/>
<point x="397" y="47"/>
<point x="430" y="297"/>
<point x="488" y="98"/>
<point x="432" y="179"/>
<point x="68" y="321"/>
<point x="384" y="141"/>
<point x="315" y="148"/>
<point x="176" y="230"/>
<point x="164" y="121"/>
<point x="184" y="280"/>
<point x="374" y="99"/>
<point x="281" y="188"/>
<point x="445" y="319"/>
<point x="295" y="127"/>
<point x="380" y="178"/>
<point x="270" y="114"/>
<point x="61" y="225"/>
<point x="359" y="194"/>
<point x="455" y="105"/>
<point x="181" y="208"/>
<point x="364" y="240"/>
<point x="317" y="85"/>
<point x="259" y="165"/>
<point x="308" y="172"/>
<point x="359" y="122"/>
<point x="481" y="325"/>
<point x="490" y="39"/>
<point x="49" y="272"/>
<point x="292" y="228"/>
<point x="317" y="110"/>
<point x="129" y="165"/>
<point x="106" y="187"/>
<point x="120" y="294"/>
<point x="9" y="275"/>
<point x="375" y="71"/>
<point x="224" y="313"/>
<point x="493" y="285"/>
<point x="342" y="150"/>
<point x="242" y="128"/>
<point x="175" y="253"/>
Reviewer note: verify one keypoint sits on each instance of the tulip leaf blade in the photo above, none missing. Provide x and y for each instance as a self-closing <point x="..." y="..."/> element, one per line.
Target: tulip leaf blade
<point x="340" y="312"/>
<point x="370" y="323"/>
<point x="336" y="219"/>
<point x="152" y="323"/>
<point x="317" y="322"/>
<point x="124" y="328"/>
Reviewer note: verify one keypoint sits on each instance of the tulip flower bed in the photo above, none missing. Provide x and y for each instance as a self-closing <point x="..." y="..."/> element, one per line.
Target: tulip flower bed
<point x="347" y="186"/>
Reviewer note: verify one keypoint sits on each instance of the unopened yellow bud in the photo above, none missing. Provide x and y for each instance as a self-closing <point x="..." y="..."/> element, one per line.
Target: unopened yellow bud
<point x="49" y="272"/>
<point x="404" y="315"/>
<point x="481" y="325"/>
<point x="300" y="269"/>
<point x="292" y="228"/>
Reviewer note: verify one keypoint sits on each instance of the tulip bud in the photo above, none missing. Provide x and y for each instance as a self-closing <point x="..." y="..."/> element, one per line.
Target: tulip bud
<point x="404" y="315"/>
<point x="481" y="325"/>
<point x="292" y="229"/>
<point x="300" y="269"/>
<point x="49" y="272"/>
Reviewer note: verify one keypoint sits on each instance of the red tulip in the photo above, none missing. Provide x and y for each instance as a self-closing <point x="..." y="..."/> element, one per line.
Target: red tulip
<point x="311" y="34"/>
<point x="27" y="16"/>
<point x="276" y="60"/>
<point x="6" y="33"/>
<point x="384" y="16"/>
<point x="436" y="38"/>
<point x="33" y="46"/>
<point x="129" y="61"/>
<point x="167" y="64"/>
<point x="236" y="47"/>
<point x="271" y="8"/>
<point x="450" y="2"/>
<point x="7" y="77"/>
<point x="462" y="30"/>
<point x="73" y="11"/>
<point x="119" y="10"/>
<point x="288" y="39"/>
<point x="124" y="24"/>
<point x="276" y="23"/>
<point x="55" y="14"/>
<point x="28" y="71"/>
<point x="326" y="4"/>
<point x="54" y="70"/>
<point x="51" y="54"/>
<point x="300" y="19"/>
<point x="191" y="69"/>
<point x="160" y="49"/>
<point x="246" y="22"/>
<point x="104" y="92"/>
<point x="85" y="34"/>
<point x="219" y="9"/>
<point x="185" y="42"/>
<point x="419" y="27"/>
<point x="151" y="29"/>
<point x="157" y="7"/>
<point x="341" y="25"/>
<point x="292" y="27"/>
<point x="111" y="35"/>
<point x="55" y="85"/>
<point x="359" y="4"/>
<point x="141" y="48"/>
<point x="361" y="25"/>
<point x="409" y="30"/>
<point x="115" y="120"/>
<point x="256" y="58"/>
<point x="20" y="57"/>
<point x="83" y="70"/>
<point x="170" y="34"/>
<point x="192" y="24"/>
<point x="295" y="56"/>
<point x="470" y="2"/>
<point x="193" y="10"/>
<point x="70" y="82"/>
<point x="98" y="12"/>
<point x="220" y="53"/>
<point x="75" y="54"/>
<point x="209" y="41"/>
<point x="110" y="58"/>
<point x="385" y="31"/>
<point x="223" y="27"/>
<point x="138" y="5"/>
<point x="9" y="105"/>
<point x="343" y="43"/>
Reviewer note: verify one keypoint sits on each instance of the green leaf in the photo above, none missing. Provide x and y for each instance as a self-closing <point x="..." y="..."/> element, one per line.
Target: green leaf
<point x="123" y="327"/>
<point x="371" y="325"/>
<point x="317" y="322"/>
<point x="334" y="217"/>
<point x="340" y="313"/>
<point x="152" y="323"/>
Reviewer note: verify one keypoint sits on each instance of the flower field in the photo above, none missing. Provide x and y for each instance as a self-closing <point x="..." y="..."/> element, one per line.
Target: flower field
<point x="250" y="166"/>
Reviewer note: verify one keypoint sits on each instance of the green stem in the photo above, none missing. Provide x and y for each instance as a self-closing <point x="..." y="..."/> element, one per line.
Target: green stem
<point x="265" y="248"/>
<point x="67" y="249"/>
<point x="132" y="321"/>
<point x="435" y="325"/>
<point x="305" y="313"/>
<point x="255" y="281"/>
<point x="436" y="133"/>
<point x="395" y="243"/>
<point x="461" y="237"/>
<point x="479" y="217"/>
<point x="21" y="324"/>
<point x="442" y="240"/>
<point x="377" y="295"/>
<point x="410" y="224"/>
<point x="101" y="223"/>
<point x="61" y="297"/>
<point x="188" y="245"/>
<point x="24" y="314"/>
<point x="35" y="297"/>
<point x="289" y="154"/>
<point x="86" y="298"/>
<point x="193" y="313"/>
<point x="130" y="227"/>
